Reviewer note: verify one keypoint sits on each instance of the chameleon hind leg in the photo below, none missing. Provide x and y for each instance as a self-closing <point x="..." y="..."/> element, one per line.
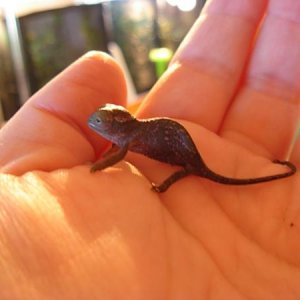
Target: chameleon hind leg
<point x="170" y="180"/>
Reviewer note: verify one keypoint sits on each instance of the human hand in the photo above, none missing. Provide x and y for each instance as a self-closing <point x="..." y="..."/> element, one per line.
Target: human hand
<point x="69" y="234"/>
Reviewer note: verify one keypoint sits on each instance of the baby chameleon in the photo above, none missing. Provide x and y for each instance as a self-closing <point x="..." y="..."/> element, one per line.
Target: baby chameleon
<point x="161" y="139"/>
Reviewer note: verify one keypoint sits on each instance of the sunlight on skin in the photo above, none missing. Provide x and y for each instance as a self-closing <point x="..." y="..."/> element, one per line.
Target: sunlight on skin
<point x="94" y="242"/>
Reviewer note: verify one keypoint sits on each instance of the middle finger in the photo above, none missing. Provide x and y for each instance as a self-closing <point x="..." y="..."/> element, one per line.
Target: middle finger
<point x="204" y="75"/>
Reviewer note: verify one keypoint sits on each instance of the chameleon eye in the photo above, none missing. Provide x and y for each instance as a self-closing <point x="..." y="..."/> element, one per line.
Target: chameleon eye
<point x="98" y="120"/>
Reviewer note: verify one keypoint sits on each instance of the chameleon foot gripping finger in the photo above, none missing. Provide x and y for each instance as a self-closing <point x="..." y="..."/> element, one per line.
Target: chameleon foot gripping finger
<point x="170" y="180"/>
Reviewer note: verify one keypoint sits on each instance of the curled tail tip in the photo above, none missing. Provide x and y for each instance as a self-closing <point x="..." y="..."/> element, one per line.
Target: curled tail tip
<point x="287" y="163"/>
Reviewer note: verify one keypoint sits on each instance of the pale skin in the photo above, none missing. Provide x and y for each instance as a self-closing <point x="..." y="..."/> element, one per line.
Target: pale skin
<point x="68" y="234"/>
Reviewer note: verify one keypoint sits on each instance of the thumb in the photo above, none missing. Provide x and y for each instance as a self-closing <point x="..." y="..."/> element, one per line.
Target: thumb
<point x="50" y="131"/>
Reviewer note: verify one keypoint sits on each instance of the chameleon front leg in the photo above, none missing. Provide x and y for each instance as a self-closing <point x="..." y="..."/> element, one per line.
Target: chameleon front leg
<point x="170" y="180"/>
<point x="111" y="157"/>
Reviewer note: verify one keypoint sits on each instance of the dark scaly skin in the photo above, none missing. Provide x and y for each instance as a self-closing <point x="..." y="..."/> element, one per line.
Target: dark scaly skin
<point x="161" y="139"/>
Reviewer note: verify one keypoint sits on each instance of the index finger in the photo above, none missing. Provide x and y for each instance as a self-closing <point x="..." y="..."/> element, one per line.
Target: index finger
<point x="50" y="131"/>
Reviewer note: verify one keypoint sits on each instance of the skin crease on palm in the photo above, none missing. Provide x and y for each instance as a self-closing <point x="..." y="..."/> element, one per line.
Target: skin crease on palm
<point x="68" y="234"/>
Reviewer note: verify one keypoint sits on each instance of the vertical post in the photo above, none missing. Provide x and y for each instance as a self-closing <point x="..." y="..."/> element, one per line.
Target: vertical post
<point x="17" y="54"/>
<point x="157" y="40"/>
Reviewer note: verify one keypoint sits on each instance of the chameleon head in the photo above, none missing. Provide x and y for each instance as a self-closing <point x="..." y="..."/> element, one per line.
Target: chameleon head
<point x="109" y="120"/>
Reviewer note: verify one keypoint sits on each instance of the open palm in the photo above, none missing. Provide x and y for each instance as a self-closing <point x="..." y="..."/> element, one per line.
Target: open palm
<point x="69" y="234"/>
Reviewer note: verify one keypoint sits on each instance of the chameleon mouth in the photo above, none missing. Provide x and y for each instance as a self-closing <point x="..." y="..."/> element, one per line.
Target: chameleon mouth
<point x="93" y="122"/>
<point x="92" y="126"/>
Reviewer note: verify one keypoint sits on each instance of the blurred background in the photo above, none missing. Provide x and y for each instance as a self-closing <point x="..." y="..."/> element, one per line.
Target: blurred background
<point x="38" y="39"/>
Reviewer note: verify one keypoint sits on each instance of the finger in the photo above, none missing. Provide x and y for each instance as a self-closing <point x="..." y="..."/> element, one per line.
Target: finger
<point x="265" y="113"/>
<point x="50" y="131"/>
<point x="205" y="72"/>
<point x="295" y="155"/>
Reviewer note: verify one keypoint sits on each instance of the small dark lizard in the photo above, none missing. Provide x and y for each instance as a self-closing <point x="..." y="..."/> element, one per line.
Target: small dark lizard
<point x="161" y="139"/>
